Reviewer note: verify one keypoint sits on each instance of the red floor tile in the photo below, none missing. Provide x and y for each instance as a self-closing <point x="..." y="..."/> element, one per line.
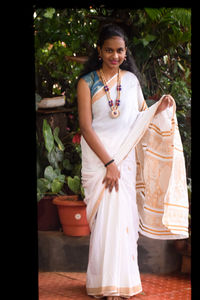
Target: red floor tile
<point x="169" y="287"/>
<point x="65" y="286"/>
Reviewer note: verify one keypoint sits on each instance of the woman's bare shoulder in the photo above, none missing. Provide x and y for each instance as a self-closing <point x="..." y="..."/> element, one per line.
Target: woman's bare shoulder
<point x="82" y="84"/>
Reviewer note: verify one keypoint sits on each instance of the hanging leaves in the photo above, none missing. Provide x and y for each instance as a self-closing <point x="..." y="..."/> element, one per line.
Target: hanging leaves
<point x="48" y="136"/>
<point x="49" y="13"/>
<point x="58" y="141"/>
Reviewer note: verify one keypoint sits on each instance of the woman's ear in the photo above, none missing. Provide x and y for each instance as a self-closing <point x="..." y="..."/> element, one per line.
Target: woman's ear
<point x="99" y="50"/>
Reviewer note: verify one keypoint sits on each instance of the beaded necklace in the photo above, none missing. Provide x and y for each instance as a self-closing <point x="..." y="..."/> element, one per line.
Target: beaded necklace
<point x="114" y="108"/>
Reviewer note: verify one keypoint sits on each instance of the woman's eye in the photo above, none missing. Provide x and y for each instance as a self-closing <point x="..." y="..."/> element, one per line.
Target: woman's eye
<point x="109" y="50"/>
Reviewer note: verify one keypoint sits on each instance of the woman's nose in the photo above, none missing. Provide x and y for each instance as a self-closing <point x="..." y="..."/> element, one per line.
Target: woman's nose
<point x="115" y="55"/>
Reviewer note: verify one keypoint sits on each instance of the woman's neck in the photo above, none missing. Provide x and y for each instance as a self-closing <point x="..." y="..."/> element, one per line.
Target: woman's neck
<point x="109" y="72"/>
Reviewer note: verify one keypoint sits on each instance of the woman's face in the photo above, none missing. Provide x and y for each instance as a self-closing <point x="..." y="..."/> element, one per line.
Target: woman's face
<point x="113" y="52"/>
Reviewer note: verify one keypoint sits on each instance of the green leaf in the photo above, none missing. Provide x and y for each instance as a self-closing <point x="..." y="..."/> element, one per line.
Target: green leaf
<point x="52" y="158"/>
<point x="49" y="173"/>
<point x="58" y="141"/>
<point x="67" y="165"/>
<point x="48" y="136"/>
<point x="56" y="186"/>
<point x="147" y="39"/>
<point x="55" y="156"/>
<point x="136" y="41"/>
<point x="150" y="37"/>
<point x="39" y="195"/>
<point x="154" y="13"/>
<point x="49" y="13"/>
<point x="74" y="184"/>
<point x="61" y="178"/>
<point x="144" y="42"/>
<point x="76" y="169"/>
<point x="57" y="172"/>
<point x="43" y="185"/>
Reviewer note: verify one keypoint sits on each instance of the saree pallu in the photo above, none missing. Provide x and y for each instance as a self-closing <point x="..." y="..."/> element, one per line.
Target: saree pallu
<point x="152" y="197"/>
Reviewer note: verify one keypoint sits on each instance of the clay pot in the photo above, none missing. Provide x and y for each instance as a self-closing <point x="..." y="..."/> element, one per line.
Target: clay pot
<point x="180" y="245"/>
<point x="48" y="218"/>
<point x="183" y="246"/>
<point x="72" y="214"/>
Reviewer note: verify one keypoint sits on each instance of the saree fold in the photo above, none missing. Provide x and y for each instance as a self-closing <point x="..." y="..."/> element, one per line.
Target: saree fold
<point x="152" y="197"/>
<point x="161" y="186"/>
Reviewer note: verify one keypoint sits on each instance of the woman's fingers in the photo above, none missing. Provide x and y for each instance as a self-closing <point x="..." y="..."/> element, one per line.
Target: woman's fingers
<point x="111" y="179"/>
<point x="170" y="99"/>
<point x="117" y="186"/>
<point x="110" y="187"/>
<point x="110" y="184"/>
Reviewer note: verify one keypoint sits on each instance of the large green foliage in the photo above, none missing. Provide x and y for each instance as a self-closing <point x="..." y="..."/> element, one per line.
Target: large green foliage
<point x="63" y="164"/>
<point x="61" y="33"/>
<point x="159" y="38"/>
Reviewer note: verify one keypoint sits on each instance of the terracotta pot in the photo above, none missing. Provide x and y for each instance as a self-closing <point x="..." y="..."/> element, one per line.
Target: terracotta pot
<point x="186" y="264"/>
<point x="72" y="214"/>
<point x="183" y="246"/>
<point x="180" y="245"/>
<point x="47" y="214"/>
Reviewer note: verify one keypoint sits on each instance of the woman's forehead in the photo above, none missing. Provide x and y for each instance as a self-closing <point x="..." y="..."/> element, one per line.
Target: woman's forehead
<point x="114" y="42"/>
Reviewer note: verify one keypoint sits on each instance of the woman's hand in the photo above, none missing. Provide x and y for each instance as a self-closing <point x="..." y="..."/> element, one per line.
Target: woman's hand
<point x="112" y="176"/>
<point x="167" y="101"/>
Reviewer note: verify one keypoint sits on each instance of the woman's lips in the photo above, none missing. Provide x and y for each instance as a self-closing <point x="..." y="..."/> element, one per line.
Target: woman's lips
<point x="114" y="62"/>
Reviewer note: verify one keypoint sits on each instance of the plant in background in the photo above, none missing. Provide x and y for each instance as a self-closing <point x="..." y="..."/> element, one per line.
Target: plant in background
<point x="74" y="182"/>
<point x="53" y="180"/>
<point x="159" y="38"/>
<point x="65" y="164"/>
<point x="61" y="33"/>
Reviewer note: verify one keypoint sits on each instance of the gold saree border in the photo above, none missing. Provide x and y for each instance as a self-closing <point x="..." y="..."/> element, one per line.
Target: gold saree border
<point x="110" y="83"/>
<point x="123" y="291"/>
<point x="96" y="205"/>
<point x="155" y="232"/>
<point x="177" y="205"/>
<point x="160" y="132"/>
<point x="159" y="155"/>
<point x="144" y="106"/>
<point x="153" y="210"/>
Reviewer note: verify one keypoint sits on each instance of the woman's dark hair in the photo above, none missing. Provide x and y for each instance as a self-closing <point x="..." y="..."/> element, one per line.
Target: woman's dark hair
<point x="93" y="63"/>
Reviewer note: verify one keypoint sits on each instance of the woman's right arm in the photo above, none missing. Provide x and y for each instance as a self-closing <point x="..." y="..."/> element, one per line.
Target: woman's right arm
<point x="85" y="123"/>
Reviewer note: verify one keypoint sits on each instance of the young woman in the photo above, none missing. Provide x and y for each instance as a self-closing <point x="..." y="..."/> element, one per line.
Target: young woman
<point x="130" y="154"/>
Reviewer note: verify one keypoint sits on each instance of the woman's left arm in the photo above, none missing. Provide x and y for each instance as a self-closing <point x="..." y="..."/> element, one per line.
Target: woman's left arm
<point x="167" y="101"/>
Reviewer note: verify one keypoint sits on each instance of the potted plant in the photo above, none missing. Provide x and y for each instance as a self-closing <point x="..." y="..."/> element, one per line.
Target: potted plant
<point x="71" y="208"/>
<point x="62" y="180"/>
<point x="50" y="180"/>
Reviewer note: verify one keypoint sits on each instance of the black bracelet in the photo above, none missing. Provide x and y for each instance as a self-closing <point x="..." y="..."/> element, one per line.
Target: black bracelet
<point x="109" y="162"/>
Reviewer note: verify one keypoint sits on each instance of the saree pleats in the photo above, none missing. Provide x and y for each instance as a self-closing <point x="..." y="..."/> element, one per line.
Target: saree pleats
<point x="112" y="267"/>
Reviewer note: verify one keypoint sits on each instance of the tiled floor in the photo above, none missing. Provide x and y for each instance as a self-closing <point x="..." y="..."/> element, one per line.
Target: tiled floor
<point x="66" y="286"/>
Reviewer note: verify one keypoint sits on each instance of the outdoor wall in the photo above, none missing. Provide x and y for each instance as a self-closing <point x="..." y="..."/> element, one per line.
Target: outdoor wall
<point x="61" y="253"/>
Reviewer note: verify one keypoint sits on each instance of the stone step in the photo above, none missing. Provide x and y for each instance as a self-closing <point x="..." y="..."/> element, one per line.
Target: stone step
<point x="60" y="253"/>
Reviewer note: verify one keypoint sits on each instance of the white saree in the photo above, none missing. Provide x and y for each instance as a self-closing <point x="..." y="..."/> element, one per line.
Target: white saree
<point x="152" y="197"/>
